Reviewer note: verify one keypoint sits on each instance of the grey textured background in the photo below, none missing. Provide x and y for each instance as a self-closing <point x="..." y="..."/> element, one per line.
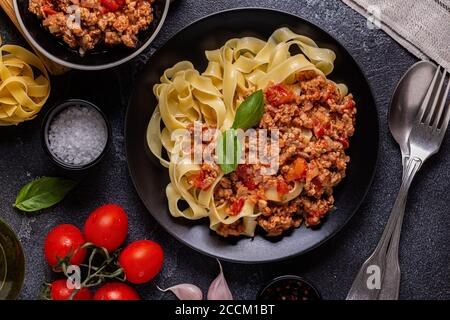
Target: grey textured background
<point x="424" y="250"/>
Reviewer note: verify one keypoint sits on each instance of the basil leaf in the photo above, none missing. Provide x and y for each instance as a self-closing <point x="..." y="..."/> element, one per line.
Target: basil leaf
<point x="250" y="111"/>
<point x="230" y="150"/>
<point x="42" y="193"/>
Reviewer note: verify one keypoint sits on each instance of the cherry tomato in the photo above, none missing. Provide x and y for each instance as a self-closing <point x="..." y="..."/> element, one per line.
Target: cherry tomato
<point x="116" y="291"/>
<point x="141" y="261"/>
<point x="107" y="227"/>
<point x="59" y="291"/>
<point x="61" y="241"/>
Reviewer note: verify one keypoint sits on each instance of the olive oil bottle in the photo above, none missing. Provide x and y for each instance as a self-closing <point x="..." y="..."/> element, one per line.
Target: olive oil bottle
<point x="12" y="263"/>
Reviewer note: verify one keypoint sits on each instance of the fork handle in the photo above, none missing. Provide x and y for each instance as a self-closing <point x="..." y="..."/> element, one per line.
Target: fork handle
<point x="368" y="282"/>
<point x="391" y="283"/>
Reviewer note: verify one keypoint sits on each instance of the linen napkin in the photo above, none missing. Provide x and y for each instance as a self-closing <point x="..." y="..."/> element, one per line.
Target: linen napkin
<point x="421" y="26"/>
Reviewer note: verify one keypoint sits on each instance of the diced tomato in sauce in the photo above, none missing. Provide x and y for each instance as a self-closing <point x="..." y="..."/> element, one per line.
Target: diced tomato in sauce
<point x="246" y="174"/>
<point x="317" y="184"/>
<point x="237" y="206"/>
<point x="198" y="180"/>
<point x="297" y="170"/>
<point x="349" y="105"/>
<point x="48" y="11"/>
<point x="344" y="142"/>
<point x="277" y="94"/>
<point x="282" y="188"/>
<point x="320" y="128"/>
<point x="112" y="5"/>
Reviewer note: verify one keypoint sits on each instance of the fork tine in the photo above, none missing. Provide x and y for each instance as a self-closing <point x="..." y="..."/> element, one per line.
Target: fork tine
<point x="446" y="117"/>
<point x="441" y="114"/>
<point x="426" y="100"/>
<point x="445" y="121"/>
<point x="435" y="106"/>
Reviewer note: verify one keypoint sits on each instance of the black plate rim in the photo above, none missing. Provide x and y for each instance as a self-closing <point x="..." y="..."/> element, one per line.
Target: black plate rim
<point x="71" y="65"/>
<point x="350" y="216"/>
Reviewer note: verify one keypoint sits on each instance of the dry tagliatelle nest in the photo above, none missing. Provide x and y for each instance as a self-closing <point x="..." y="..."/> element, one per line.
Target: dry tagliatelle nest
<point x="24" y="85"/>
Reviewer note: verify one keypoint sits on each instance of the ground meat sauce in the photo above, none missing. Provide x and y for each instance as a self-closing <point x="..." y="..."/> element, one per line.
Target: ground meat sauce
<point x="313" y="103"/>
<point x="108" y="22"/>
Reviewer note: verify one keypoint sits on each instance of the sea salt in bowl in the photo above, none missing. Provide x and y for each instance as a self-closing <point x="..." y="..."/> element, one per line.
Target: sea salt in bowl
<point x="76" y="135"/>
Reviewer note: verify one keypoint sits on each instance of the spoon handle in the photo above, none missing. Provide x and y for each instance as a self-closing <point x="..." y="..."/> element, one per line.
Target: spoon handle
<point x="369" y="280"/>
<point x="390" y="288"/>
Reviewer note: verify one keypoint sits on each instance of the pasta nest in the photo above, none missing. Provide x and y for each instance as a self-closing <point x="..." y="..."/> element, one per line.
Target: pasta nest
<point x="24" y="85"/>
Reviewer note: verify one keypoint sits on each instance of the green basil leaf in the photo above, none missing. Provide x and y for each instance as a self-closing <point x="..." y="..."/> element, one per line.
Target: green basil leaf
<point x="230" y="150"/>
<point x="250" y="111"/>
<point x="42" y="193"/>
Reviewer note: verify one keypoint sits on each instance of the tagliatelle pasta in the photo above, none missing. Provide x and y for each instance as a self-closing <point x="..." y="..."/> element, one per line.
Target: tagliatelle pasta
<point x="186" y="96"/>
<point x="22" y="94"/>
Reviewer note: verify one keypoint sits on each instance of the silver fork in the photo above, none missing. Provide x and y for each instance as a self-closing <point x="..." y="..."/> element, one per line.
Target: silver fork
<point x="425" y="140"/>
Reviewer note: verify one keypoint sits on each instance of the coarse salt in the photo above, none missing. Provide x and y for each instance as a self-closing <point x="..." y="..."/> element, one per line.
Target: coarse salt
<point x="77" y="135"/>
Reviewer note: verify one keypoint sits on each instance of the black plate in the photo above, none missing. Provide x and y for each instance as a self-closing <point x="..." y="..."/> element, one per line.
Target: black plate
<point x="150" y="178"/>
<point x="100" y="58"/>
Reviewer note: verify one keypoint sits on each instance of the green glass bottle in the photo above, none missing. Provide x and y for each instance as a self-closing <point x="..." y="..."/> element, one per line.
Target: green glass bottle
<point x="12" y="263"/>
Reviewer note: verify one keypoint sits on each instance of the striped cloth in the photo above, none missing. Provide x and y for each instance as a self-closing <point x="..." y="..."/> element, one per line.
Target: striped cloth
<point x="421" y="26"/>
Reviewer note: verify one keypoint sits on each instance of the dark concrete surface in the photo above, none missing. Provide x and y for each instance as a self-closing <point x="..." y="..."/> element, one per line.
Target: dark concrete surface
<point x="424" y="250"/>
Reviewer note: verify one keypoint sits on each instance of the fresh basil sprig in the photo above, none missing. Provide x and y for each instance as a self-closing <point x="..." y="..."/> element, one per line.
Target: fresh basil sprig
<point x="250" y="111"/>
<point x="248" y="115"/>
<point x="42" y="193"/>
<point x="231" y="149"/>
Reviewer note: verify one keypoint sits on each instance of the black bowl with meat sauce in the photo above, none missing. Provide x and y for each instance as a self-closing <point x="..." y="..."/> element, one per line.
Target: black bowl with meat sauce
<point x="101" y="57"/>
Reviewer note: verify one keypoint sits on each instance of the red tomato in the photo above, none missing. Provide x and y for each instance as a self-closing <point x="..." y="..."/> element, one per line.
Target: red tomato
<point x="116" y="291"/>
<point x="237" y="206"/>
<point x="61" y="241"/>
<point x="277" y="94"/>
<point x="141" y="261"/>
<point x="59" y="291"/>
<point x="107" y="227"/>
<point x="246" y="174"/>
<point x="282" y="187"/>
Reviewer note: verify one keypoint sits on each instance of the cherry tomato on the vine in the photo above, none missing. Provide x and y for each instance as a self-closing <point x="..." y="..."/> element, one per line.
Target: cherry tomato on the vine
<point x="107" y="227"/>
<point x="60" y="291"/>
<point x="116" y="291"/>
<point x="141" y="261"/>
<point x="63" y="240"/>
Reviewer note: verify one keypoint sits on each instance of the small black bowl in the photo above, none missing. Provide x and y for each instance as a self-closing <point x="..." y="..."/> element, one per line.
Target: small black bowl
<point x="52" y="113"/>
<point x="101" y="57"/>
<point x="270" y="293"/>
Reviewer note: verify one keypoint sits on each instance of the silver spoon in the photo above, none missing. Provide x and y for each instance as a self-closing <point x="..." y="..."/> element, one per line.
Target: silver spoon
<point x="405" y="103"/>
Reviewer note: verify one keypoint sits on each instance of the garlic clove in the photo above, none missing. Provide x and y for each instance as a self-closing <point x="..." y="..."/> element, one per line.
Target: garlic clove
<point x="219" y="290"/>
<point x="185" y="291"/>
